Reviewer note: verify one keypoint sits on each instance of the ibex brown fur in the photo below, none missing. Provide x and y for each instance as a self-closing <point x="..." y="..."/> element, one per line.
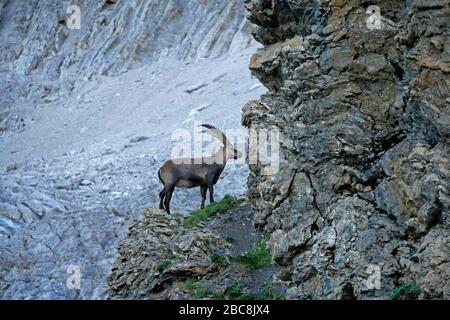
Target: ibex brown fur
<point x="196" y="172"/>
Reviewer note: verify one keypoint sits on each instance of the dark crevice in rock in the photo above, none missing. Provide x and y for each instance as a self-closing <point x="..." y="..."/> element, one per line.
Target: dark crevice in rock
<point x="296" y="250"/>
<point x="348" y="292"/>
<point x="107" y="4"/>
<point x="308" y="175"/>
<point x="391" y="141"/>
<point x="398" y="70"/>
<point x="315" y="228"/>
<point x="288" y="192"/>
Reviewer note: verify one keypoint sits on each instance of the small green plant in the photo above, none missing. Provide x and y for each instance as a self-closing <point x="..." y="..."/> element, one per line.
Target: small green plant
<point x="258" y="257"/>
<point x="220" y="206"/>
<point x="207" y="242"/>
<point x="195" y="290"/>
<point x="219" y="260"/>
<point x="234" y="290"/>
<point x="270" y="293"/>
<point x="408" y="291"/>
<point x="165" y="263"/>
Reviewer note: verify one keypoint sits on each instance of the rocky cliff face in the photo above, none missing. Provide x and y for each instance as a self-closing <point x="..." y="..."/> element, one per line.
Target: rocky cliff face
<point x="362" y="191"/>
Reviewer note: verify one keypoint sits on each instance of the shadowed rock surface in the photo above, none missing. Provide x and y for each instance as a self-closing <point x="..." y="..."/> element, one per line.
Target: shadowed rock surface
<point x="364" y="119"/>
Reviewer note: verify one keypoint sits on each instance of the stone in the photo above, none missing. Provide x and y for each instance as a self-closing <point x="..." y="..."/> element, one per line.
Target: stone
<point x="150" y="259"/>
<point x="11" y="167"/>
<point x="339" y="58"/>
<point x="196" y="87"/>
<point x="278" y="244"/>
<point x="139" y="139"/>
<point x="85" y="182"/>
<point x="364" y="176"/>
<point x="373" y="63"/>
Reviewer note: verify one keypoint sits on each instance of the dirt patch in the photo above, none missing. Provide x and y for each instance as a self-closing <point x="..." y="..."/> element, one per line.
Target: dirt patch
<point x="236" y="227"/>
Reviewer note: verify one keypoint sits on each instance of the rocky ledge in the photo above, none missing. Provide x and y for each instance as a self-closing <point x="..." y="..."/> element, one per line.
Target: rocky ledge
<point x="173" y="257"/>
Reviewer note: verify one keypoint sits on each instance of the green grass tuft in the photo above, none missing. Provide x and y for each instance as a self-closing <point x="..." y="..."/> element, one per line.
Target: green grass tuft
<point x="165" y="263"/>
<point x="219" y="296"/>
<point x="270" y="293"/>
<point x="220" y="206"/>
<point x="162" y="218"/>
<point x="234" y="290"/>
<point x="408" y="291"/>
<point x="219" y="261"/>
<point x="195" y="290"/>
<point x="257" y="258"/>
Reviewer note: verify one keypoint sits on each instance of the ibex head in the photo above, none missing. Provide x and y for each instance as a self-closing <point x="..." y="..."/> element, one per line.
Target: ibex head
<point x="229" y="151"/>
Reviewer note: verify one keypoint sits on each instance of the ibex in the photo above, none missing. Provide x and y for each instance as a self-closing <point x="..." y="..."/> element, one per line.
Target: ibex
<point x="196" y="172"/>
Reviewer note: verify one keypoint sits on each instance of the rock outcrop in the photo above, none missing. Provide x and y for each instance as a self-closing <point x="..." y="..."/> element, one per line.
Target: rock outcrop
<point x="360" y="203"/>
<point x="163" y="258"/>
<point x="159" y="251"/>
<point x="50" y="47"/>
